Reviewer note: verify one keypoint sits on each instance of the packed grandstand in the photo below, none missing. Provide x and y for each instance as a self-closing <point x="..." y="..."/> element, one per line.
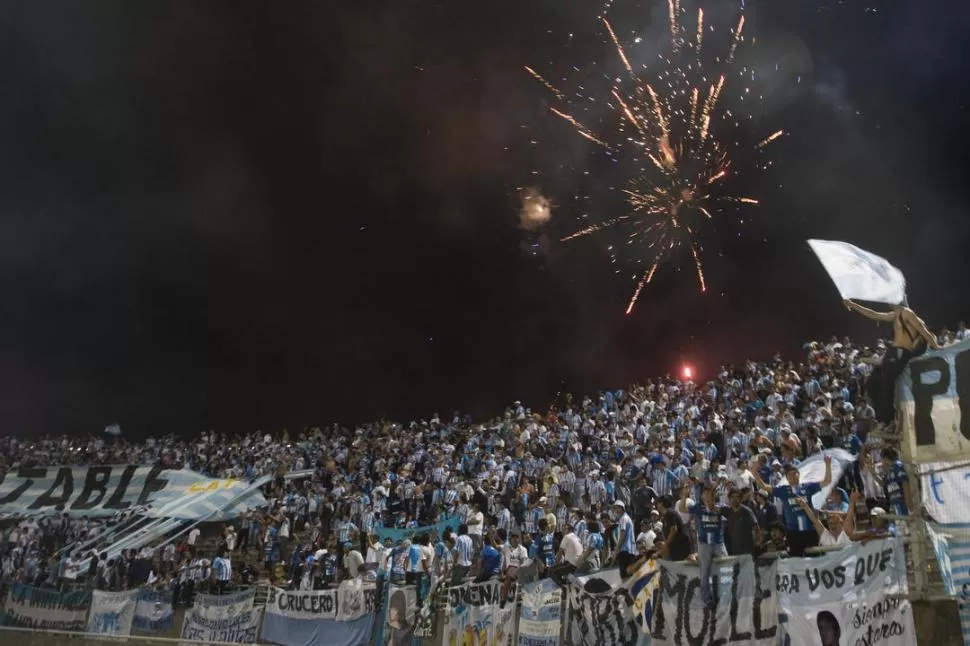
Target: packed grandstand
<point x="668" y="469"/>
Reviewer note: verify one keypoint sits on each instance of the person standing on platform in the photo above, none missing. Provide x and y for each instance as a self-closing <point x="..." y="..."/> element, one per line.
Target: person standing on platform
<point x="910" y="339"/>
<point x="710" y="538"/>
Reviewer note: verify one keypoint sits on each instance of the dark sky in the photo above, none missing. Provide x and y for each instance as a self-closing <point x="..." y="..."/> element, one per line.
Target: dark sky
<point x="241" y="215"/>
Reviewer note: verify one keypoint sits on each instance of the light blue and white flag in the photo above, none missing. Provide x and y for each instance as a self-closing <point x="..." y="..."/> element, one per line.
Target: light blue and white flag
<point x="644" y="585"/>
<point x="812" y="469"/>
<point x="99" y="491"/>
<point x="540" y="619"/>
<point x="112" y="613"/>
<point x="153" y="611"/>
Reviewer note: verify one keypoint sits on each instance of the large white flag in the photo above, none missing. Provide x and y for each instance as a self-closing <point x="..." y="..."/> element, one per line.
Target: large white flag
<point x="860" y="274"/>
<point x="812" y="469"/>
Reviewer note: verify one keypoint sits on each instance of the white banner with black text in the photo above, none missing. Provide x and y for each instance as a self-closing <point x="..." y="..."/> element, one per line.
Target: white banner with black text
<point x="931" y="395"/>
<point x="844" y="597"/>
<point x="342" y="617"/>
<point x="745" y="608"/>
<point x="230" y="619"/>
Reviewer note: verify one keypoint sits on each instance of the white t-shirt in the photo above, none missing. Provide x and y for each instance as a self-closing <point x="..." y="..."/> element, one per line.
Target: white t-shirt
<point x="352" y="562"/>
<point x="427" y="555"/>
<point x="648" y="538"/>
<point x="743" y="480"/>
<point x="685" y="511"/>
<point x="516" y="556"/>
<point x="572" y="549"/>
<point x="194" y="535"/>
<point x="827" y="540"/>
<point x="476" y="529"/>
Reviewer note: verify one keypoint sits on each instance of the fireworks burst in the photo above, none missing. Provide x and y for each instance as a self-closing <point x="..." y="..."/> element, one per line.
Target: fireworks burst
<point x="535" y="210"/>
<point x="667" y="132"/>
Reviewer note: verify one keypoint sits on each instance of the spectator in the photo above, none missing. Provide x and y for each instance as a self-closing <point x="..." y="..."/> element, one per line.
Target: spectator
<point x="626" y="546"/>
<point x="647" y="535"/>
<point x="464" y="553"/>
<point x="798" y="529"/>
<point x="710" y="538"/>
<point x="572" y="554"/>
<point x="742" y="533"/>
<point x="491" y="561"/>
<point x="515" y="557"/>
<point x="777" y="542"/>
<point x="676" y="544"/>
<point x="222" y="571"/>
<point x="354" y="562"/>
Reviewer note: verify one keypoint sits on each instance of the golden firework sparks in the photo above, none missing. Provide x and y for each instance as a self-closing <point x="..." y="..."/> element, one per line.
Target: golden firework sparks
<point x="668" y="127"/>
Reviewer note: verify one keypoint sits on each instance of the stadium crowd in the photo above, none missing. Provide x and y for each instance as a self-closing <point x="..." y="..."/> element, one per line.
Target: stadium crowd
<point x="668" y="468"/>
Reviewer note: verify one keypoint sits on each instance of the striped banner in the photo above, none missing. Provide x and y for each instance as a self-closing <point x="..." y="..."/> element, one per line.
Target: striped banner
<point x="957" y="552"/>
<point x="397" y="535"/>
<point x="109" y="490"/>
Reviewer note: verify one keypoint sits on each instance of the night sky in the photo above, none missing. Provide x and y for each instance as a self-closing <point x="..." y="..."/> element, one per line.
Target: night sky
<point x="242" y="215"/>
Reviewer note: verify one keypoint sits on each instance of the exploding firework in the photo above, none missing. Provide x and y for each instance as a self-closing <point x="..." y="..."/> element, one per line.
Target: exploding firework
<point x="535" y="210"/>
<point x="667" y="132"/>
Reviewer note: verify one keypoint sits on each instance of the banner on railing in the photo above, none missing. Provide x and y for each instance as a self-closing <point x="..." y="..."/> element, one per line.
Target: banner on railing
<point x="108" y="490"/>
<point x="112" y="613"/>
<point x="931" y="402"/>
<point x="396" y="535"/>
<point x="43" y="609"/>
<point x="342" y="617"/>
<point x="959" y="553"/>
<point x="216" y="618"/>
<point x="474" y="614"/>
<point x="644" y="588"/>
<point x="348" y="602"/>
<point x="506" y="626"/>
<point x="941" y="548"/>
<point x="745" y="608"/>
<point x="153" y="611"/>
<point x="946" y="491"/>
<point x="600" y="618"/>
<point x="426" y="621"/>
<point x="540" y="621"/>
<point x="844" y="597"/>
<point x="400" y="611"/>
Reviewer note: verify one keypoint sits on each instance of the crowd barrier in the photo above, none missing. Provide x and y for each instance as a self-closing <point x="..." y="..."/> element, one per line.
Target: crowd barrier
<point x="856" y="593"/>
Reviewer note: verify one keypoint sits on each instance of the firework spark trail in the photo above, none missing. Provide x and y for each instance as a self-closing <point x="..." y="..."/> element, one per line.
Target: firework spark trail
<point x="699" y="265"/>
<point x="619" y="48"/>
<point x="668" y="135"/>
<point x="737" y="40"/>
<point x="549" y="86"/>
<point x="647" y="277"/>
<point x="583" y="130"/>
<point x="628" y="113"/>
<point x="594" y="228"/>
<point x="673" y="8"/>
<point x="700" y="31"/>
<point x="767" y="140"/>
